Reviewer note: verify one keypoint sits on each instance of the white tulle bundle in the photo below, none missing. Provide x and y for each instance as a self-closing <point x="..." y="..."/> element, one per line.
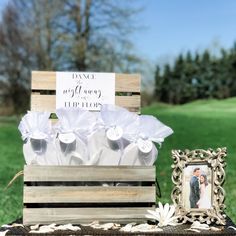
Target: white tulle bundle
<point x="114" y="136"/>
<point x="73" y="128"/>
<point x="35" y="125"/>
<point x="77" y="121"/>
<point x="115" y="116"/>
<point x="141" y="134"/>
<point x="35" y="128"/>
<point x="148" y="127"/>
<point x="106" y="144"/>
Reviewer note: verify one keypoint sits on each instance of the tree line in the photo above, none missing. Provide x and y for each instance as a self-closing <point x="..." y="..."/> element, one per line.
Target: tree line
<point x="94" y="35"/>
<point x="197" y="76"/>
<point x="62" y="35"/>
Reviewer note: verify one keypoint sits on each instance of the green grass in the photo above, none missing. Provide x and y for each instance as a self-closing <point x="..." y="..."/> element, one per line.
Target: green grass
<point x="200" y="124"/>
<point x="11" y="158"/>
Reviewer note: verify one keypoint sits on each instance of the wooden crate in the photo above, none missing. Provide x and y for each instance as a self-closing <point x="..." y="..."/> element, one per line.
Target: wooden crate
<point x="43" y="86"/>
<point x="74" y="194"/>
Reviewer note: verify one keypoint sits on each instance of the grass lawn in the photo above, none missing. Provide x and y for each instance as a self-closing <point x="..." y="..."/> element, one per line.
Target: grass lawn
<point x="11" y="162"/>
<point x="201" y="124"/>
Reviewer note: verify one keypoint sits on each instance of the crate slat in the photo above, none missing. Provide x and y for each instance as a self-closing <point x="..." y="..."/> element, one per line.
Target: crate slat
<point x="46" y="80"/>
<point x="83" y="215"/>
<point x="89" y="173"/>
<point x="49" y="196"/>
<point x="48" y="102"/>
<point x="88" y="194"/>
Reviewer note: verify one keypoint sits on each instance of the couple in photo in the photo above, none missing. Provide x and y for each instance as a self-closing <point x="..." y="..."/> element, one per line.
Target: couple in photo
<point x="198" y="194"/>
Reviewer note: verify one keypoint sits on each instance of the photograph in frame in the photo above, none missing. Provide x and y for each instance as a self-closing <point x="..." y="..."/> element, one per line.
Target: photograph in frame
<point x="197" y="187"/>
<point x="198" y="177"/>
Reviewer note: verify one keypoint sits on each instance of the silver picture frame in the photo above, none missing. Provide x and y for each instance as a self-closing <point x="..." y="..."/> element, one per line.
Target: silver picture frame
<point x="189" y="163"/>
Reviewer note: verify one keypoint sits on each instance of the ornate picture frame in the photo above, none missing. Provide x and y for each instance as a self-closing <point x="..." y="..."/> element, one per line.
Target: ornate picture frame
<point x="198" y="176"/>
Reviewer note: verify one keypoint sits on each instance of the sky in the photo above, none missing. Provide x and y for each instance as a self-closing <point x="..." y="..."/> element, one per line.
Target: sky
<point x="169" y="27"/>
<point x="174" y="26"/>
